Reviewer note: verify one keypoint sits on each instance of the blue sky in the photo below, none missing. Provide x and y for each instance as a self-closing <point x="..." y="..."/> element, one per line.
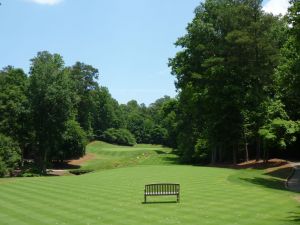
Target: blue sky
<point x="129" y="41"/>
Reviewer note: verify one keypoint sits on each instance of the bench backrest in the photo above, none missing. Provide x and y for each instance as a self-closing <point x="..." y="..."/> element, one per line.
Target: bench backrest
<point x="162" y="188"/>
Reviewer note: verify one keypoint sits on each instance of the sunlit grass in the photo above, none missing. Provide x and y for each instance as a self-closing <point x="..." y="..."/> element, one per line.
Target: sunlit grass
<point x="115" y="196"/>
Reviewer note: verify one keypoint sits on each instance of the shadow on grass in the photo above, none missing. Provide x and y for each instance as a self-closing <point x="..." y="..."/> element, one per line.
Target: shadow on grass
<point x="282" y="173"/>
<point x="272" y="183"/>
<point x="160" y="152"/>
<point x="172" y="160"/>
<point x="294" y="216"/>
<point x="266" y="182"/>
<point x="159" y="202"/>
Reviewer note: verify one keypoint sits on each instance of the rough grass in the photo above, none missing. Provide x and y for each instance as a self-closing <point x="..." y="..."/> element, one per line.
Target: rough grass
<point x="114" y="196"/>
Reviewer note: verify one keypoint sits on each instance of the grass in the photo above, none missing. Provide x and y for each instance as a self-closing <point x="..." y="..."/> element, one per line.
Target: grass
<point x="108" y="156"/>
<point x="209" y="195"/>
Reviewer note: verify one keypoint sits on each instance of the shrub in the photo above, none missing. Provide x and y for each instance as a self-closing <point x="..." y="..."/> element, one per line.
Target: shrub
<point x="201" y="153"/>
<point x="158" y="135"/>
<point x="10" y="155"/>
<point x="119" y="136"/>
<point x="74" y="142"/>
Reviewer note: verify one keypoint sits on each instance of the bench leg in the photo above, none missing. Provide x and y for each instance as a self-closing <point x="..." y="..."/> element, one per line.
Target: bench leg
<point x="145" y="198"/>
<point x="178" y="199"/>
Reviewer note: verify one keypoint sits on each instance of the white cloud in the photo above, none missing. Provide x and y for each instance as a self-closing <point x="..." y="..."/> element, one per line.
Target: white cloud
<point x="46" y="2"/>
<point x="277" y="6"/>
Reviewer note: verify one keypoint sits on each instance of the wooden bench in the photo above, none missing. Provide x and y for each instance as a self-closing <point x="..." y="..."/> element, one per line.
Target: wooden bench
<point x="161" y="189"/>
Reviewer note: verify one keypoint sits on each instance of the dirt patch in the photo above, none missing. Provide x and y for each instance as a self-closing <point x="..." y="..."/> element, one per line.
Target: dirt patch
<point x="57" y="172"/>
<point x="272" y="163"/>
<point x="274" y="167"/>
<point x="297" y="198"/>
<point x="80" y="161"/>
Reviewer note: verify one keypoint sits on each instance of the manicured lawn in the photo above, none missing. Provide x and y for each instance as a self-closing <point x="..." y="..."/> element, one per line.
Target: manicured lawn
<point x="114" y="196"/>
<point x="109" y="156"/>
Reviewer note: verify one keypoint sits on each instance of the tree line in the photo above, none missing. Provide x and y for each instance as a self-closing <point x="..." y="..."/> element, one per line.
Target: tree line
<point x="238" y="78"/>
<point x="51" y="114"/>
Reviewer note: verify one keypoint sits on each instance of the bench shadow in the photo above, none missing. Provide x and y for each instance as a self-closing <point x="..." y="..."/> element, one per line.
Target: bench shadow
<point x="159" y="202"/>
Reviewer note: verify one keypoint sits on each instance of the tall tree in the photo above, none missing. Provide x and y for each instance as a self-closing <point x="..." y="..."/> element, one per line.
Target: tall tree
<point x="84" y="77"/>
<point x="14" y="113"/>
<point x="224" y="72"/>
<point x="52" y="103"/>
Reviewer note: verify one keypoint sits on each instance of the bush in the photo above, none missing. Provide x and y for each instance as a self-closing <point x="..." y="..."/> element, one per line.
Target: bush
<point x="158" y="135"/>
<point x="10" y="155"/>
<point x="201" y="151"/>
<point x="119" y="136"/>
<point x="74" y="142"/>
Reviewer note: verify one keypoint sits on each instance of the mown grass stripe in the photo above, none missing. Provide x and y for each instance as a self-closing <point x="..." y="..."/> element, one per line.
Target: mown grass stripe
<point x="208" y="195"/>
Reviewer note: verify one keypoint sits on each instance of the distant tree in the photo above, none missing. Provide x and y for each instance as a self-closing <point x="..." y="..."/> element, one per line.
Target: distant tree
<point x="107" y="112"/>
<point x="84" y="77"/>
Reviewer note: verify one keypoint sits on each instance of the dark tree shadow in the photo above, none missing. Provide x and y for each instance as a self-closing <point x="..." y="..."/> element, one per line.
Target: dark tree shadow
<point x="282" y="173"/>
<point x="172" y="160"/>
<point x="63" y="165"/>
<point x="294" y="216"/>
<point x="266" y="182"/>
<point x="160" y="152"/>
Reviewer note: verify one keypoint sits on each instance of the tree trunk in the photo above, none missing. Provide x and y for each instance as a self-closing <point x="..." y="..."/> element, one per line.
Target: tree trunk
<point x="213" y="155"/>
<point x="234" y="155"/>
<point x="246" y="152"/>
<point x="258" y="149"/>
<point x="22" y="157"/>
<point x="220" y="154"/>
<point x="44" y="163"/>
<point x="266" y="153"/>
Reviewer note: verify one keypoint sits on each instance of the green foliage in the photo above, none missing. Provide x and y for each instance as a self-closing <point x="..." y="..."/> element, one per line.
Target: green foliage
<point x="14" y="109"/>
<point x="9" y="155"/>
<point x="51" y="103"/>
<point x="280" y="133"/>
<point x="74" y="141"/>
<point x="119" y="136"/>
<point x="84" y="84"/>
<point x="225" y="74"/>
<point x="158" y="135"/>
<point x="201" y="151"/>
<point x="107" y="112"/>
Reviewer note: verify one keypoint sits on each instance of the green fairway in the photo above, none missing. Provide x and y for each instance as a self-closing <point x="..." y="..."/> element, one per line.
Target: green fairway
<point x="108" y="156"/>
<point x="114" y="196"/>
